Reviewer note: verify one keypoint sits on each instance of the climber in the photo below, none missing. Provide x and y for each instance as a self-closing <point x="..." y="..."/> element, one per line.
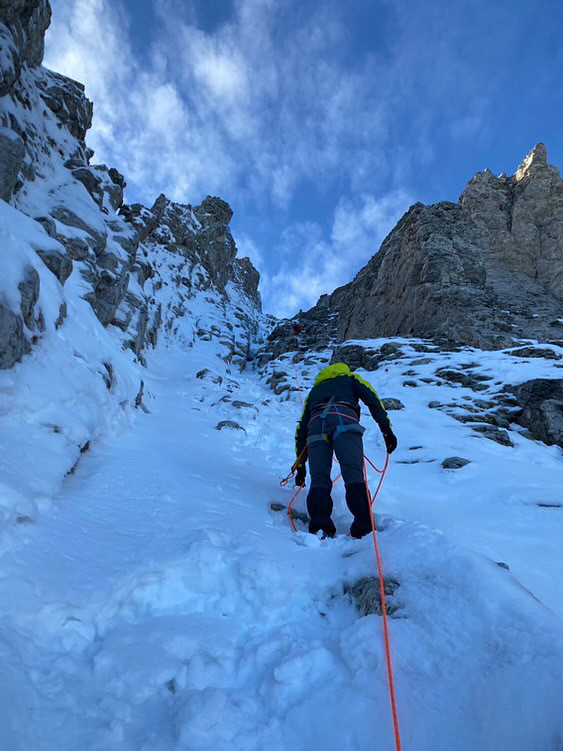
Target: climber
<point x="330" y="422"/>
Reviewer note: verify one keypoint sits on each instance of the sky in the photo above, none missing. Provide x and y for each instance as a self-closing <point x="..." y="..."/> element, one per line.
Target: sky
<point x="319" y="121"/>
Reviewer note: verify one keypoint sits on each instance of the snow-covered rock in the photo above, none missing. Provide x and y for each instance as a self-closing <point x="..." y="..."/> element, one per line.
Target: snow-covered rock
<point x="88" y="284"/>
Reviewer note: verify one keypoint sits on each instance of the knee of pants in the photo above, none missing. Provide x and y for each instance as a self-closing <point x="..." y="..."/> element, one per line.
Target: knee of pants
<point x="320" y="464"/>
<point x="349" y="450"/>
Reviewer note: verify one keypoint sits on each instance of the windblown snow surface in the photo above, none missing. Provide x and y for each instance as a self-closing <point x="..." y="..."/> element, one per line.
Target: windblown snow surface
<point x="157" y="602"/>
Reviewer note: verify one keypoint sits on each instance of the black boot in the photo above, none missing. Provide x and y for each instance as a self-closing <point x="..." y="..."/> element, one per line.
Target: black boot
<point x="358" y="503"/>
<point x="319" y="506"/>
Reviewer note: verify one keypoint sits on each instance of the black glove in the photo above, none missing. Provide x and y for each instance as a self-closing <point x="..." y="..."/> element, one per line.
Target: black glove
<point x="390" y="441"/>
<point x="300" y="475"/>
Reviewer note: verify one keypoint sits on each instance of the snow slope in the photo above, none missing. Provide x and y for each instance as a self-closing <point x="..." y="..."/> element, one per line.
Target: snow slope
<point x="159" y="603"/>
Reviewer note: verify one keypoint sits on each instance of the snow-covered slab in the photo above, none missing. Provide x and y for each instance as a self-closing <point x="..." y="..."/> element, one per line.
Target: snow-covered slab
<point x="169" y="607"/>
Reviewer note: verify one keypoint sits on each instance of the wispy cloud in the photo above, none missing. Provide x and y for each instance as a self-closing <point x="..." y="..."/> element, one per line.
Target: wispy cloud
<point x="262" y="104"/>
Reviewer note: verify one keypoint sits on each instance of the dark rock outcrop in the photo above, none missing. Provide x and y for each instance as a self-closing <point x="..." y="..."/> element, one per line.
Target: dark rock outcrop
<point x="29" y="292"/>
<point x="13" y="342"/>
<point x="367" y="595"/>
<point x="57" y="262"/>
<point x="22" y="37"/>
<point x="12" y="152"/>
<point x="454" y="462"/>
<point x="66" y="99"/>
<point x="541" y="404"/>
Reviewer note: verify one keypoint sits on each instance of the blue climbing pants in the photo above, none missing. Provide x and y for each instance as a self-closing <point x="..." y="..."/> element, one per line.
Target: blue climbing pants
<point x="336" y="430"/>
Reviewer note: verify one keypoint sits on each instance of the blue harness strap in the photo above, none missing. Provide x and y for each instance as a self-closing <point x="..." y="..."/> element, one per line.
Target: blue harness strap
<point x="352" y="428"/>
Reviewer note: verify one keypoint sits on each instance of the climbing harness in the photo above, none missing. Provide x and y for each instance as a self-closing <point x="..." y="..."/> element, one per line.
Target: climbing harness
<point x="331" y="408"/>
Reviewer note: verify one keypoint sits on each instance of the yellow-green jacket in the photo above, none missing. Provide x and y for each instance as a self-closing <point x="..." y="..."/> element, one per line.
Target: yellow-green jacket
<point x="347" y="388"/>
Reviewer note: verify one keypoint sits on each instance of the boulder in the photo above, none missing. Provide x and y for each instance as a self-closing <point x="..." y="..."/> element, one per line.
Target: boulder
<point x="12" y="152"/>
<point x="454" y="462"/>
<point x="543" y="352"/>
<point x="494" y="434"/>
<point x="91" y="182"/>
<point x="353" y="355"/>
<point x="76" y="248"/>
<point x="367" y="595"/>
<point x="48" y="224"/>
<point x="109" y="291"/>
<point x="13" y="343"/>
<point x="97" y="238"/>
<point x="57" y="262"/>
<point x="29" y="294"/>
<point x="230" y="425"/>
<point x="541" y="404"/>
<point x="391" y="404"/>
<point x="208" y="375"/>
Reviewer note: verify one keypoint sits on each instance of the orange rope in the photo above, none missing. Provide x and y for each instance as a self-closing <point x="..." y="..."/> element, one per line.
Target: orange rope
<point x="379" y="560"/>
<point x="384" y="601"/>
<point x="290" y="508"/>
<point x="381" y="471"/>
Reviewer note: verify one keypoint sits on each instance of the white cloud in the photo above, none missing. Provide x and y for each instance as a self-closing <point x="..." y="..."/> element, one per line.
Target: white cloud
<point x="246" y="247"/>
<point x="221" y="71"/>
<point x="273" y="99"/>
<point x="143" y="124"/>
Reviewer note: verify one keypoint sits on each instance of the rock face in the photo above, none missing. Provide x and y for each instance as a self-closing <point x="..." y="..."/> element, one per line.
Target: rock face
<point x="13" y="343"/>
<point x="65" y="98"/>
<point x="541" y="402"/>
<point x="485" y="271"/>
<point x="12" y="152"/>
<point x="22" y="37"/>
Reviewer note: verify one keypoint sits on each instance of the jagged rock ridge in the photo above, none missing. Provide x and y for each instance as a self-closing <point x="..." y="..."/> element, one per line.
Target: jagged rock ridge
<point x="487" y="271"/>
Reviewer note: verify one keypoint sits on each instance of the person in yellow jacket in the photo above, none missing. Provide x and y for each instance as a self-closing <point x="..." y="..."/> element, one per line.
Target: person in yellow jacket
<point x="331" y="422"/>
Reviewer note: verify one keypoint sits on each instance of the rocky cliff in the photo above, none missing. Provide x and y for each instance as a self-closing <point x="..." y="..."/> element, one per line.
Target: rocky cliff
<point x="85" y="228"/>
<point x="486" y="271"/>
<point x="88" y="284"/>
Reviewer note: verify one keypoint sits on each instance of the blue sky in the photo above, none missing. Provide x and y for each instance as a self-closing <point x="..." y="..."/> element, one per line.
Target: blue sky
<point x="319" y="121"/>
